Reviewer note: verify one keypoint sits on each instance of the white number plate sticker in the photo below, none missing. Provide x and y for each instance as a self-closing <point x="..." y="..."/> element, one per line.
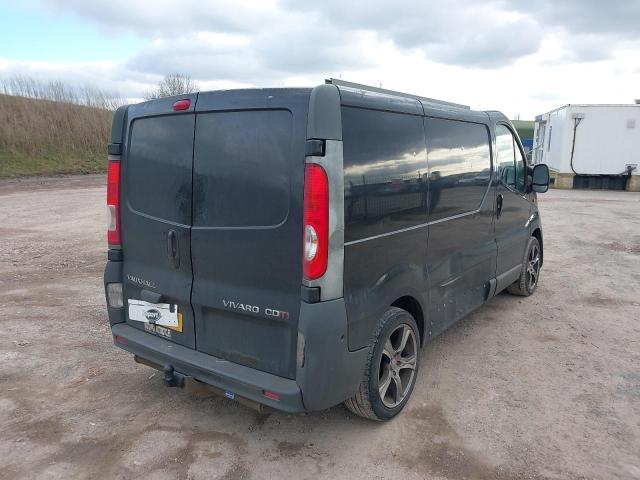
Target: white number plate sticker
<point x="163" y="314"/>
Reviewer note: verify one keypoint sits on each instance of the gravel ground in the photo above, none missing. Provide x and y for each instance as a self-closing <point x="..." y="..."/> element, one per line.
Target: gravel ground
<point x="546" y="387"/>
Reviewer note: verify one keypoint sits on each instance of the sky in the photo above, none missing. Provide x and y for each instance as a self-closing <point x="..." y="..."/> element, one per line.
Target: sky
<point x="521" y="57"/>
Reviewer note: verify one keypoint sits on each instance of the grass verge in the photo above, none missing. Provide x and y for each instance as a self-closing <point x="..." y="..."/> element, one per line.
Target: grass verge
<point x="17" y="165"/>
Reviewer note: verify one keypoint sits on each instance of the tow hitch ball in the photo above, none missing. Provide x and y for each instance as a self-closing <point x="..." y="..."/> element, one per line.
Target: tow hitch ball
<point x="171" y="379"/>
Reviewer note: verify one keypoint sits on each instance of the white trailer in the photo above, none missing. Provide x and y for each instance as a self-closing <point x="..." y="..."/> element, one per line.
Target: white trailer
<point x="590" y="146"/>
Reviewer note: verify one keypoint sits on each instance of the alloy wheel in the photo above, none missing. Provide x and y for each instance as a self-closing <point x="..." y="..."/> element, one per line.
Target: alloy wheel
<point x="533" y="267"/>
<point x="397" y="366"/>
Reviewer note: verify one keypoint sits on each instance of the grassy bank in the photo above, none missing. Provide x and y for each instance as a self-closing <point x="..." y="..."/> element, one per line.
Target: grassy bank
<point x="40" y="137"/>
<point x="17" y="164"/>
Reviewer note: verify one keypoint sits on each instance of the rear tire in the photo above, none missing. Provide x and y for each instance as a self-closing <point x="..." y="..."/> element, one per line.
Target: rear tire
<point x="530" y="272"/>
<point x="391" y="370"/>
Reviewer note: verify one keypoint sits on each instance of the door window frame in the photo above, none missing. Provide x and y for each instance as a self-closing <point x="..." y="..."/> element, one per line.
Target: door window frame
<point x="524" y="158"/>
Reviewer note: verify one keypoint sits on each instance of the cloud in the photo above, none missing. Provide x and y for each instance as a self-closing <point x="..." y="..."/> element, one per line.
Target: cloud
<point x="201" y="56"/>
<point x="311" y="46"/>
<point x="255" y="60"/>
<point x="168" y="18"/>
<point x="110" y="77"/>
<point x="246" y="42"/>
<point x="457" y="32"/>
<point x="619" y="18"/>
<point x="593" y="29"/>
<point x="508" y="54"/>
<point x="296" y="36"/>
<point x="493" y="48"/>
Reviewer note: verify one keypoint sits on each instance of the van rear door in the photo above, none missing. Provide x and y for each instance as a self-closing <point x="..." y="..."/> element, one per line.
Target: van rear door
<point x="156" y="217"/>
<point x="246" y="241"/>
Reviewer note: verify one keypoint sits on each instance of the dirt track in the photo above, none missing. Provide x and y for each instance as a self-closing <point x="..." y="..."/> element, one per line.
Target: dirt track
<point x="544" y="387"/>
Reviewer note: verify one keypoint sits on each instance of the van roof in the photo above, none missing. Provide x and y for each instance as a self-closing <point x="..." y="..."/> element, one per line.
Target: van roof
<point x="357" y="86"/>
<point x="365" y="96"/>
<point x="350" y="94"/>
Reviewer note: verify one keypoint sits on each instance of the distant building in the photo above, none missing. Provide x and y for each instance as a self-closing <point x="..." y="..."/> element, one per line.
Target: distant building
<point x="525" y="129"/>
<point x="590" y="146"/>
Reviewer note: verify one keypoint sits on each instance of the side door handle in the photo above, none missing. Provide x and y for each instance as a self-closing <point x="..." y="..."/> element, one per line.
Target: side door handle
<point x="173" y="253"/>
<point x="499" y="205"/>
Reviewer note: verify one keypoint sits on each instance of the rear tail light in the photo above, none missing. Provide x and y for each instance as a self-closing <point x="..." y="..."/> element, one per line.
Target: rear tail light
<point x="113" y="202"/>
<point x="316" y="221"/>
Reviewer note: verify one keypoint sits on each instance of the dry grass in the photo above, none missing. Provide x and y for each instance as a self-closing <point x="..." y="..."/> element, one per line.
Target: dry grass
<point x="46" y="137"/>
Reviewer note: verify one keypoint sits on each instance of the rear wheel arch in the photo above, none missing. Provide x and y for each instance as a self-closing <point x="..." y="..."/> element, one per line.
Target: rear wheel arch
<point x="391" y="370"/>
<point x="412" y="306"/>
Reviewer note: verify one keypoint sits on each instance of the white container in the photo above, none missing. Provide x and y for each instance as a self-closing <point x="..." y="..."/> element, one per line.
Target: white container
<point x="607" y="139"/>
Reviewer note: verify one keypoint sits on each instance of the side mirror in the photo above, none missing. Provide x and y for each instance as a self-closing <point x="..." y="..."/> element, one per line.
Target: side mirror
<point x="540" y="178"/>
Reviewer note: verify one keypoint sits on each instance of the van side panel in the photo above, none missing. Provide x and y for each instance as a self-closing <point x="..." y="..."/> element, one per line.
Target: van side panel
<point x="415" y="228"/>
<point x="379" y="272"/>
<point x="385" y="214"/>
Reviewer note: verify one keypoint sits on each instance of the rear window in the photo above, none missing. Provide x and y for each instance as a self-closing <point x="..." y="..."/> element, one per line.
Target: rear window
<point x="242" y="168"/>
<point x="460" y="166"/>
<point x="158" y="167"/>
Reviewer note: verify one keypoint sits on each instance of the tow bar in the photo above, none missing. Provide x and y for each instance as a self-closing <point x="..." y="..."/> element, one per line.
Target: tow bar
<point x="171" y="378"/>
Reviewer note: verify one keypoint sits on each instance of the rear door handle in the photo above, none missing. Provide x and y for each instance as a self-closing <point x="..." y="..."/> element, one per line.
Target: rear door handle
<point x="499" y="205"/>
<point x="173" y="253"/>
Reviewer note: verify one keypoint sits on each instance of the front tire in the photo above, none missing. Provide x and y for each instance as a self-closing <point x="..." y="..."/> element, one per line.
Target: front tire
<point x="530" y="272"/>
<point x="391" y="370"/>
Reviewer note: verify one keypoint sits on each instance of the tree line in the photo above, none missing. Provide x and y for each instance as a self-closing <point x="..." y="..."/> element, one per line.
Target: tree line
<point x="21" y="85"/>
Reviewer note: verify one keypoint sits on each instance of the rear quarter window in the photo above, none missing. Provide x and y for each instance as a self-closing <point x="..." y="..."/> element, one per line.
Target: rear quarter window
<point x="385" y="172"/>
<point x="459" y="166"/>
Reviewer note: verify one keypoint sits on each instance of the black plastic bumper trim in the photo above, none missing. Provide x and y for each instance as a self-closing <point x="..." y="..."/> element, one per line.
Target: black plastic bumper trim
<point x="244" y="381"/>
<point x="114" y="255"/>
<point x="114" y="149"/>
<point x="310" y="294"/>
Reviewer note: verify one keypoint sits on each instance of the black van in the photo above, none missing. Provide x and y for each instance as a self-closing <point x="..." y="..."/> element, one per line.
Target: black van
<point x="296" y="248"/>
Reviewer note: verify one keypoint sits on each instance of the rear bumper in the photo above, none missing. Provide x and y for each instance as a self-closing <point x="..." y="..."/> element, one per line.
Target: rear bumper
<point x="243" y="381"/>
<point x="329" y="375"/>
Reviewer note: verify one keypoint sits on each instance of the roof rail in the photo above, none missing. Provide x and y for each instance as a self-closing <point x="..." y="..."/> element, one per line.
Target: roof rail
<point x="343" y="83"/>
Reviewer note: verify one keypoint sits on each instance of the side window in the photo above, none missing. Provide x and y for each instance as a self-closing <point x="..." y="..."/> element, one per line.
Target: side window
<point x="385" y="172"/>
<point x="460" y="166"/>
<point x="511" y="163"/>
<point x="506" y="156"/>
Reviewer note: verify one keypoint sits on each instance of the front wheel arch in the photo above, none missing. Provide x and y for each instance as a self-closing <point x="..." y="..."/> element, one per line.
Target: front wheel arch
<point x="524" y="285"/>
